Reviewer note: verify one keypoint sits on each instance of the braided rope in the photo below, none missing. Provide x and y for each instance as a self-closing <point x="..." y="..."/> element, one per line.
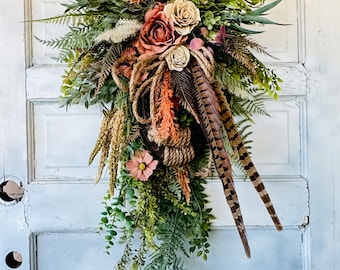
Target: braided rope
<point x="174" y="156"/>
<point x="135" y="100"/>
<point x="157" y="77"/>
<point x="184" y="135"/>
<point x="116" y="79"/>
<point x="182" y="139"/>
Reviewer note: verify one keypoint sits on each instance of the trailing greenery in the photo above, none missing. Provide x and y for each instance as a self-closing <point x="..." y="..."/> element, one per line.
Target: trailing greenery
<point x="163" y="223"/>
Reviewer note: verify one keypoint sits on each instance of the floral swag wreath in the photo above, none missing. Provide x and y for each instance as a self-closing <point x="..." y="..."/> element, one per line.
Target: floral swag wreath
<point x="170" y="76"/>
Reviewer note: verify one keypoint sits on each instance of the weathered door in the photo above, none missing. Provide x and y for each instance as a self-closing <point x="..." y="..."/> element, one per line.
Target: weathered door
<point x="54" y="226"/>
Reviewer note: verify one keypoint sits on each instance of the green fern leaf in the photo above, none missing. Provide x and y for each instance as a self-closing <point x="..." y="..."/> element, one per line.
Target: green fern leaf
<point x="68" y="18"/>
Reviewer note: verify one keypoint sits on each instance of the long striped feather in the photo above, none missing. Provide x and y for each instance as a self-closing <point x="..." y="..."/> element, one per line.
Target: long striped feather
<point x="238" y="145"/>
<point x="208" y="112"/>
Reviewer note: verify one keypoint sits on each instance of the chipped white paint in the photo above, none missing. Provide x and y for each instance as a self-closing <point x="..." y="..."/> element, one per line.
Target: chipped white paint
<point x="54" y="226"/>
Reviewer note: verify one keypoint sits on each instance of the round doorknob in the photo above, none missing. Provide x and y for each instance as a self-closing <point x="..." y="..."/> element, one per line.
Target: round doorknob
<point x="11" y="191"/>
<point x="14" y="259"/>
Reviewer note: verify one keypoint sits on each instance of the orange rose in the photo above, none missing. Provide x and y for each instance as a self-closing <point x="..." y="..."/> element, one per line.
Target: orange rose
<point x="157" y="33"/>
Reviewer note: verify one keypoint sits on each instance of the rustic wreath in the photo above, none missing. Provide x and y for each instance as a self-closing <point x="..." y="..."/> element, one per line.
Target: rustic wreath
<point x="171" y="77"/>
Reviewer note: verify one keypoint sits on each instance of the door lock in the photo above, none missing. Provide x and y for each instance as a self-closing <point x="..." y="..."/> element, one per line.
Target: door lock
<point x="11" y="191"/>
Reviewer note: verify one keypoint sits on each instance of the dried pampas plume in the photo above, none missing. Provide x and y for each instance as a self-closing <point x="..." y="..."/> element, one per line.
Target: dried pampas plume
<point x="123" y="30"/>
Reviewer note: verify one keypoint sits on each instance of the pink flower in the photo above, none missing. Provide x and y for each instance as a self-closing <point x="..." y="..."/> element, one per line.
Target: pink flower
<point x="157" y="33"/>
<point x="196" y="44"/>
<point x="220" y="38"/>
<point x="204" y="31"/>
<point x="141" y="165"/>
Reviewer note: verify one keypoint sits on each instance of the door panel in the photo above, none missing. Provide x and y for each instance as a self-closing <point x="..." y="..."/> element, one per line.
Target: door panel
<point x="282" y="42"/>
<point x="42" y="55"/>
<point x="84" y="251"/>
<point x="276" y="148"/>
<point x="266" y="253"/>
<point x="84" y="245"/>
<point x="62" y="141"/>
<point x="292" y="211"/>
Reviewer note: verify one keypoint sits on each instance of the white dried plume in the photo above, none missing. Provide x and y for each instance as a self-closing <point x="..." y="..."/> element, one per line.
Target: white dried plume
<point x="123" y="30"/>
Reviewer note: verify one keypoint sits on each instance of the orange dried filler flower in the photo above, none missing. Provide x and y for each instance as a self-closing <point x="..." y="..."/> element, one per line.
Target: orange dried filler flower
<point x="163" y="126"/>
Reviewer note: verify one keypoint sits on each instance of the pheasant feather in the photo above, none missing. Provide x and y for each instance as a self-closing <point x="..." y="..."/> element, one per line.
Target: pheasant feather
<point x="239" y="147"/>
<point x="208" y="112"/>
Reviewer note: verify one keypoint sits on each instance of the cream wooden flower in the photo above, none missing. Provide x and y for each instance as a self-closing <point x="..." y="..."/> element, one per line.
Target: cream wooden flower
<point x="178" y="58"/>
<point x="184" y="14"/>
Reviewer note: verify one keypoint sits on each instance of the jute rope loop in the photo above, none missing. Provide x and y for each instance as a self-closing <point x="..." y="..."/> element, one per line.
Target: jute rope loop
<point x="174" y="156"/>
<point x="176" y="152"/>
<point x="115" y="71"/>
<point x="185" y="138"/>
<point x="140" y="68"/>
<point x="149" y="84"/>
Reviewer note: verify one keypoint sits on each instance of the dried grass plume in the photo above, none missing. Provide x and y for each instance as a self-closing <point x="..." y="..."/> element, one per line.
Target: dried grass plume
<point x="123" y="30"/>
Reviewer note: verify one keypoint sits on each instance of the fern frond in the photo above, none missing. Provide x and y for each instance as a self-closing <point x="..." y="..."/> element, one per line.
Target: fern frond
<point x="54" y="43"/>
<point x="239" y="46"/>
<point x="243" y="57"/>
<point x="257" y="47"/>
<point x="68" y="18"/>
<point x="248" y="107"/>
<point x="256" y="105"/>
<point x="172" y="238"/>
<point x="78" y="37"/>
<point x="243" y="126"/>
<point x="234" y="85"/>
<point x="178" y="264"/>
